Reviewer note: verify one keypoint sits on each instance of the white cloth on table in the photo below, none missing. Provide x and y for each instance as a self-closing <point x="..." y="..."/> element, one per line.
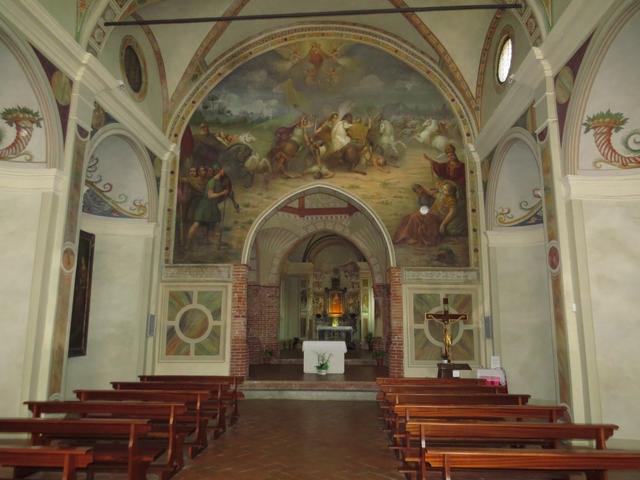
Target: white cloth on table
<point x="311" y="350"/>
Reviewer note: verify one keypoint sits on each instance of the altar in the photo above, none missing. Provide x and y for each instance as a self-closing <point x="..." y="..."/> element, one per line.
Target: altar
<point x="339" y="329"/>
<point x="311" y="350"/>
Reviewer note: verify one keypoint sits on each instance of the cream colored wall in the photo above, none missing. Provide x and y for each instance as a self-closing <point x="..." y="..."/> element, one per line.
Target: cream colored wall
<point x="19" y="214"/>
<point x="64" y="12"/>
<point x="521" y="312"/>
<point x="492" y="94"/>
<point x="611" y="231"/>
<point x="118" y="310"/>
<point x="151" y="105"/>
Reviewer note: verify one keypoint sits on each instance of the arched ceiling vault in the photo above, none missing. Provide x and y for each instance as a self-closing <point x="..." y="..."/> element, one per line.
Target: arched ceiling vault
<point x="452" y="40"/>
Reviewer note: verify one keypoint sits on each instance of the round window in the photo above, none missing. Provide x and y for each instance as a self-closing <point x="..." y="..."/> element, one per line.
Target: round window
<point x="134" y="69"/>
<point x="505" y="53"/>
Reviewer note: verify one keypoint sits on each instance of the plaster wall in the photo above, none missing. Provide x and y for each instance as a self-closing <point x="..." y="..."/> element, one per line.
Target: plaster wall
<point x="64" y="11"/>
<point x="19" y="214"/>
<point x="522" y="319"/>
<point x="492" y="93"/>
<point x="611" y="230"/>
<point x="118" y="313"/>
<point x="110" y="58"/>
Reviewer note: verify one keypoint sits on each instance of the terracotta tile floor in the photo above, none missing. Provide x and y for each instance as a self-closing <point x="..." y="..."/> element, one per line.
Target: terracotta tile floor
<point x="283" y="439"/>
<point x="305" y="440"/>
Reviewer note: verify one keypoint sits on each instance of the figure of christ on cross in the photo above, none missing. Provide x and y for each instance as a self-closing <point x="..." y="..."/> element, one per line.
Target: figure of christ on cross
<point x="446" y="318"/>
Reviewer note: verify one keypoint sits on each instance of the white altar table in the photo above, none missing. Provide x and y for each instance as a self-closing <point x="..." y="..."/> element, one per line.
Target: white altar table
<point x="311" y="350"/>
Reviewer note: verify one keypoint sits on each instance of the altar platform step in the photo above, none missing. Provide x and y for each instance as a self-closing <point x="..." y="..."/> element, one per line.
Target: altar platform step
<point x="289" y="382"/>
<point x="347" y="361"/>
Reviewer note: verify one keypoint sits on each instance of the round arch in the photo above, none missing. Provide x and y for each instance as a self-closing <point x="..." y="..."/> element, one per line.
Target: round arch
<point x="321" y="187"/>
<point x="39" y="83"/>
<point x="142" y="155"/>
<point x="599" y="45"/>
<point x="513" y="136"/>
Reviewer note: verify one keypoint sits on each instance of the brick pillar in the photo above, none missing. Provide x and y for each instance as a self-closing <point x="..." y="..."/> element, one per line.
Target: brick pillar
<point x="263" y="320"/>
<point x="396" y="349"/>
<point x="239" y="350"/>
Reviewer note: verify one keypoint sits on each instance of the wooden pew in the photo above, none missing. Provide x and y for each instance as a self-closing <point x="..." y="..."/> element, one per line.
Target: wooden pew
<point x="594" y="463"/>
<point x="391" y="399"/>
<point x="37" y="457"/>
<point x="164" y="416"/>
<point x="194" y="399"/>
<point x="233" y="381"/>
<point x="128" y="453"/>
<point x="428" y="434"/>
<point x="506" y="432"/>
<point x="439" y="389"/>
<point x="404" y="413"/>
<point x="429" y="381"/>
<point x="215" y="406"/>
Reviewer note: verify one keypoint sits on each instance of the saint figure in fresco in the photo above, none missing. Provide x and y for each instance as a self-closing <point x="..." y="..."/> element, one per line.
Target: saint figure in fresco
<point x="452" y="169"/>
<point x="428" y="226"/>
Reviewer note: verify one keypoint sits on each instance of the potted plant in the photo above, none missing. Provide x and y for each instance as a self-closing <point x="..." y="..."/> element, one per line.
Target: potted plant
<point x="267" y="355"/>
<point x="322" y="365"/>
<point x="379" y="356"/>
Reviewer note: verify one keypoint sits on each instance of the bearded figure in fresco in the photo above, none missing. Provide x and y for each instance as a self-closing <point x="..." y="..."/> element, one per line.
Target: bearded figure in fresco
<point x="440" y="214"/>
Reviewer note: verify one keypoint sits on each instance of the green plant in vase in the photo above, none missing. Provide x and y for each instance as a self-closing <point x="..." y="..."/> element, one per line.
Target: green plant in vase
<point x="379" y="357"/>
<point x="322" y="365"/>
<point x="267" y="355"/>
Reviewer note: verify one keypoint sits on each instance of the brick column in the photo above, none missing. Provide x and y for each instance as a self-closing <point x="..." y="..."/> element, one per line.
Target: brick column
<point x="239" y="350"/>
<point x="263" y="320"/>
<point x="396" y="349"/>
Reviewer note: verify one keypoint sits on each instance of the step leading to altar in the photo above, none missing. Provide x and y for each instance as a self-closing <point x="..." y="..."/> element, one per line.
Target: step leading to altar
<point x="289" y="382"/>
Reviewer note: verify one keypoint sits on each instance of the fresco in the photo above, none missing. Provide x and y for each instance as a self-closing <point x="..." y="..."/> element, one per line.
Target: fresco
<point x="328" y="110"/>
<point x="610" y="139"/>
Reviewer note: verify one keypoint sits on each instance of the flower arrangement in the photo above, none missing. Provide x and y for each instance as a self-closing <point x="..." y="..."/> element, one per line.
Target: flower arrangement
<point x="322" y="364"/>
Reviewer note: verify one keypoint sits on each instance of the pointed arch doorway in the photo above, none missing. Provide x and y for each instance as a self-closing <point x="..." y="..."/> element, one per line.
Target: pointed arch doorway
<point x="316" y="240"/>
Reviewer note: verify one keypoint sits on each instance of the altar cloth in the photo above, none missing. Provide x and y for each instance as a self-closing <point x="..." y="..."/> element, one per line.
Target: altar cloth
<point x="311" y="350"/>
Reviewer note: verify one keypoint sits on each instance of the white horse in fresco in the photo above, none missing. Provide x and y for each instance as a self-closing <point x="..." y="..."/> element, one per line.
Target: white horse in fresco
<point x="434" y="134"/>
<point x="387" y="139"/>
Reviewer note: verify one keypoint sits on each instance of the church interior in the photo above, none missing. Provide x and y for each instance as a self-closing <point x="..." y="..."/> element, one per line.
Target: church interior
<point x="271" y="221"/>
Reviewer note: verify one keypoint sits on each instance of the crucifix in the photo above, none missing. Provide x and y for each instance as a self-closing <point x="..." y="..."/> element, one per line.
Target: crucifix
<point x="446" y="318"/>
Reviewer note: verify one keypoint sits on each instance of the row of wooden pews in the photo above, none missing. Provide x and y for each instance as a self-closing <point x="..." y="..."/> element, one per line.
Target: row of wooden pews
<point x="137" y="427"/>
<point x="437" y="426"/>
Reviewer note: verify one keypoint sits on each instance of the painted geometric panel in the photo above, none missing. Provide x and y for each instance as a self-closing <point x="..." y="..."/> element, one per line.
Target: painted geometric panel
<point x="427" y="335"/>
<point x="194" y="325"/>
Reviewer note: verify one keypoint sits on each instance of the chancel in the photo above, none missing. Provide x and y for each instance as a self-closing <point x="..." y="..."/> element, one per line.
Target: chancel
<point x="287" y="219"/>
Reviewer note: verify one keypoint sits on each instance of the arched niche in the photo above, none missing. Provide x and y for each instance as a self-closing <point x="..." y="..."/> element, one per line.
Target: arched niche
<point x="34" y="139"/>
<point x="279" y="229"/>
<point x="603" y="118"/>
<point x="514" y="189"/>
<point x="518" y="275"/>
<point x="119" y="180"/>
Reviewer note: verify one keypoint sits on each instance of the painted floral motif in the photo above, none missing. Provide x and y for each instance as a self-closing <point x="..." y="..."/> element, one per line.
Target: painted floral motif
<point x="24" y="120"/>
<point x="604" y="124"/>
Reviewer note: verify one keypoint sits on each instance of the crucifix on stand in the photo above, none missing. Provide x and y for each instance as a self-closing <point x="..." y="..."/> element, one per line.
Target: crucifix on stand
<point x="446" y="318"/>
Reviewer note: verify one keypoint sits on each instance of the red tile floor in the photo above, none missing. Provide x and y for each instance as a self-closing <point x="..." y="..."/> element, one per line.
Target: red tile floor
<point x="304" y="440"/>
